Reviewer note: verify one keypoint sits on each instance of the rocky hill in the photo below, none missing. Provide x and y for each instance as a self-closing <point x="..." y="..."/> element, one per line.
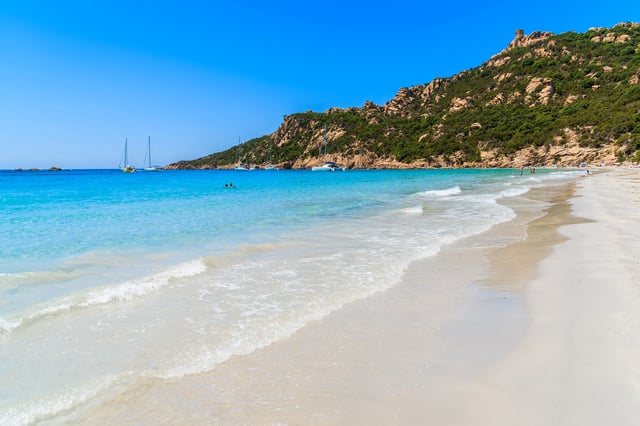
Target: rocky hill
<point x="544" y="100"/>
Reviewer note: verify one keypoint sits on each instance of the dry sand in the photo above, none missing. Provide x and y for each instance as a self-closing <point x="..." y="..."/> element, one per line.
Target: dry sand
<point x="544" y="331"/>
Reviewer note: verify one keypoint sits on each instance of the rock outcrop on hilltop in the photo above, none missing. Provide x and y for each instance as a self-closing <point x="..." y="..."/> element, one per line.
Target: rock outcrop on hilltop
<point x="545" y="99"/>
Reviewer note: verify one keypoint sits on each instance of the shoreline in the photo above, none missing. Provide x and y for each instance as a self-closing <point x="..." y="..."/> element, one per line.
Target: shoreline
<point x="444" y="346"/>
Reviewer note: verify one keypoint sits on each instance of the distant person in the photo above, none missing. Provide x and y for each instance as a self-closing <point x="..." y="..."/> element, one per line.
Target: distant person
<point x="521" y="170"/>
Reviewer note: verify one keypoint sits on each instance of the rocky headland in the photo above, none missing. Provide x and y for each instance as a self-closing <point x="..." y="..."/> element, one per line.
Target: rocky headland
<point x="545" y="100"/>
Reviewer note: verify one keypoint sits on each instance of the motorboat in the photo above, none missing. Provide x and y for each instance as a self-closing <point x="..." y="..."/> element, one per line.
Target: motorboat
<point x="328" y="166"/>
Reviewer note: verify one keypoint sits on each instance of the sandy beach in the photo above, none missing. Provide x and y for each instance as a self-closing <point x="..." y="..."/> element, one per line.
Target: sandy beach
<point x="533" y="323"/>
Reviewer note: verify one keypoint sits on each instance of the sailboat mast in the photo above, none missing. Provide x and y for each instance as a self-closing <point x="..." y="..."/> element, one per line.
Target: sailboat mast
<point x="126" y="157"/>
<point x="325" y="142"/>
<point x="149" y="151"/>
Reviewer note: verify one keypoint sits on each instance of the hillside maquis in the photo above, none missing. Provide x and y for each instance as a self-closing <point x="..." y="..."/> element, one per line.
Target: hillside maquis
<point x="545" y="100"/>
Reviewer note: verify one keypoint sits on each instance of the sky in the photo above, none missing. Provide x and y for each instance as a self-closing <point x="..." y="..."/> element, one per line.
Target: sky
<point x="78" y="78"/>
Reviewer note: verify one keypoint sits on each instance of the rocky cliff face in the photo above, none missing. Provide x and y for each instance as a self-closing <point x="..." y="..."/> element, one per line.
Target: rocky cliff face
<point x="544" y="100"/>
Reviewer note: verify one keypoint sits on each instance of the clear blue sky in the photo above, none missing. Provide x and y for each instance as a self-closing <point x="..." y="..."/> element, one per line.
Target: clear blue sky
<point x="78" y="77"/>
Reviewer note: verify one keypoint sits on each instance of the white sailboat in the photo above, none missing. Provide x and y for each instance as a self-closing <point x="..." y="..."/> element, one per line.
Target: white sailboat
<point x="240" y="166"/>
<point x="127" y="168"/>
<point x="270" y="166"/>
<point x="150" y="168"/>
<point x="327" y="166"/>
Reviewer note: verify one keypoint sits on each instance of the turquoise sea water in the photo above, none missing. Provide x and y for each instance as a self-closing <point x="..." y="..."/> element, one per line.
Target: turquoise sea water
<point x="108" y="279"/>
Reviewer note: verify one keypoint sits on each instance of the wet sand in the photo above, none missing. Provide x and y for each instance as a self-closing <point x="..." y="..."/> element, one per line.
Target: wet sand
<point x="535" y="322"/>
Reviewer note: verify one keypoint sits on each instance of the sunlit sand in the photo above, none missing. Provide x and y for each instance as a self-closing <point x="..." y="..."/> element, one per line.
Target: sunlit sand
<point x="533" y="323"/>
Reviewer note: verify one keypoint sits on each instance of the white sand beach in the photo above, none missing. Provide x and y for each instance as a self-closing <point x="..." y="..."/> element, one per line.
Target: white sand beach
<point x="543" y="331"/>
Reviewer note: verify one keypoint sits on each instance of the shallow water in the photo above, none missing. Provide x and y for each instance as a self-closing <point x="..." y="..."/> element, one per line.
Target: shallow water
<point x="107" y="277"/>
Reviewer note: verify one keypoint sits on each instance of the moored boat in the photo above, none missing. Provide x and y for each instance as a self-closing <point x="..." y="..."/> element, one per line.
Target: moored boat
<point x="149" y="167"/>
<point x="327" y="166"/>
<point x="127" y="168"/>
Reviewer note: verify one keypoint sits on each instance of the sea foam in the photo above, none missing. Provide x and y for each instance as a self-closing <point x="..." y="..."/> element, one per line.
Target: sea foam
<point x="413" y="209"/>
<point x="39" y="409"/>
<point x="117" y="293"/>
<point x="441" y="192"/>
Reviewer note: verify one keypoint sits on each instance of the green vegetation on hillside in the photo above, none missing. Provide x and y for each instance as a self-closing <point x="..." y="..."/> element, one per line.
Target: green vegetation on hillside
<point x="584" y="84"/>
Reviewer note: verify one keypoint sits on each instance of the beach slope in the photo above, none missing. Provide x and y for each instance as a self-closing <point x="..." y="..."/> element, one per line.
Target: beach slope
<point x="540" y="327"/>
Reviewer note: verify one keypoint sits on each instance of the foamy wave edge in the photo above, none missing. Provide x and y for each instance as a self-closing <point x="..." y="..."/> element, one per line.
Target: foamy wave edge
<point x="413" y="210"/>
<point x="120" y="292"/>
<point x="205" y="359"/>
<point x="514" y="192"/>
<point x="441" y="192"/>
<point x="33" y="411"/>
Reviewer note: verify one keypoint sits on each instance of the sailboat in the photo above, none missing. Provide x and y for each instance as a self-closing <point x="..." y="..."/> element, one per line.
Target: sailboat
<point x="240" y="166"/>
<point x="150" y="168"/>
<point x="327" y="166"/>
<point x="127" y="168"/>
<point x="270" y="166"/>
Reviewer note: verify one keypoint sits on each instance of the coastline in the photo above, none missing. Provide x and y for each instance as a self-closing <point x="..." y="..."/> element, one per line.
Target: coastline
<point x="490" y="343"/>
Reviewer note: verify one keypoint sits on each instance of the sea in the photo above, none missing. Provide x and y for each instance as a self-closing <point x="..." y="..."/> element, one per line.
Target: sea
<point x="109" y="278"/>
